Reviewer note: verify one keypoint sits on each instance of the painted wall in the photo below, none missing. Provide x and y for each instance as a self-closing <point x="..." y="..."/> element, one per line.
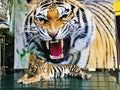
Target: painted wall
<point x="94" y="50"/>
<point x="21" y="55"/>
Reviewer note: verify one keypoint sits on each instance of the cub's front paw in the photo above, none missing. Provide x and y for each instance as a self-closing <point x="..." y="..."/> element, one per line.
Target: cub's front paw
<point x="31" y="80"/>
<point x="21" y="80"/>
<point x="27" y="81"/>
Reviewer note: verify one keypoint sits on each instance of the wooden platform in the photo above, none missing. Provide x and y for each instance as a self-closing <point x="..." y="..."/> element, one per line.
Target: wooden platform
<point x="99" y="81"/>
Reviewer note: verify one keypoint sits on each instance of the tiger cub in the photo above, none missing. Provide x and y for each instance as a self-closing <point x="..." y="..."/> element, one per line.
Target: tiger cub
<point x="41" y="70"/>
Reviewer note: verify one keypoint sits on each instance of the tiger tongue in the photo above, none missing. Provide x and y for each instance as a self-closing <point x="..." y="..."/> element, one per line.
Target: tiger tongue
<point x="55" y="49"/>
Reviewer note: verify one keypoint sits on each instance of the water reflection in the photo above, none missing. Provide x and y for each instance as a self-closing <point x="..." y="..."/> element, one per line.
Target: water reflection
<point x="56" y="83"/>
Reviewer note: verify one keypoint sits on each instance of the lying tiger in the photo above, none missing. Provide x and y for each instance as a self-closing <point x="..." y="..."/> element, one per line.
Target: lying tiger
<point x="39" y="70"/>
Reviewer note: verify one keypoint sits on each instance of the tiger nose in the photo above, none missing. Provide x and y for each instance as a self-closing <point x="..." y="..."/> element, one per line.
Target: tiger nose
<point x="52" y="34"/>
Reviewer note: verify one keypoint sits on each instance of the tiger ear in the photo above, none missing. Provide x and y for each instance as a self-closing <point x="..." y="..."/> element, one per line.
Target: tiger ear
<point x="45" y="62"/>
<point x="31" y="57"/>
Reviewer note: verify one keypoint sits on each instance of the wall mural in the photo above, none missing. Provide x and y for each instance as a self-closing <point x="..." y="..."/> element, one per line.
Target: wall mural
<point x="66" y="32"/>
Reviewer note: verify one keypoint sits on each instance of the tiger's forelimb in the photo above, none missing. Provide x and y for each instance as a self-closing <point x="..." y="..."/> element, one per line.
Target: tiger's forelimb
<point x="26" y="79"/>
<point x="32" y="80"/>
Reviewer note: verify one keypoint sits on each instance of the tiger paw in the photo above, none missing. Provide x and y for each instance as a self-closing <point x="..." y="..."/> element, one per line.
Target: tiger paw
<point x="26" y="82"/>
<point x="86" y="76"/>
<point x="31" y="80"/>
<point x="21" y="80"/>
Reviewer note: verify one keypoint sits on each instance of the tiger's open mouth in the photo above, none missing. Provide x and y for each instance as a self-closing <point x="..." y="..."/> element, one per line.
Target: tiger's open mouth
<point x="55" y="48"/>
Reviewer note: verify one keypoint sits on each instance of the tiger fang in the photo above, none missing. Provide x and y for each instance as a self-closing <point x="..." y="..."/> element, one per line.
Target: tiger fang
<point x="55" y="48"/>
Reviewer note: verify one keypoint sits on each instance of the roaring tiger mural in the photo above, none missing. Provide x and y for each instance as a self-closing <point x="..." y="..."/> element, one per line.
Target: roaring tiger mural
<point x="70" y="32"/>
<point x="39" y="70"/>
